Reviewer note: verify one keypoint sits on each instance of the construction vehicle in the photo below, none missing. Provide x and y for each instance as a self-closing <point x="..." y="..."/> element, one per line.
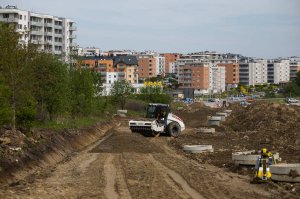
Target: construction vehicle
<point x="159" y="119"/>
<point x="262" y="170"/>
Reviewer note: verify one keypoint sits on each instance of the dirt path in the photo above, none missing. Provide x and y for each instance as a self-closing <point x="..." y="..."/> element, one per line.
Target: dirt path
<point x="126" y="165"/>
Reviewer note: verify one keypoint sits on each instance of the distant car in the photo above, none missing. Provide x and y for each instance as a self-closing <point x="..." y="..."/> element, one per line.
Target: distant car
<point x="244" y="103"/>
<point x="292" y="100"/>
<point x="188" y="100"/>
<point x="235" y="99"/>
<point x="214" y="100"/>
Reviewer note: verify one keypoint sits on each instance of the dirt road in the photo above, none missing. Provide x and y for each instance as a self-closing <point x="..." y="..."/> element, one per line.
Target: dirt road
<point x="126" y="165"/>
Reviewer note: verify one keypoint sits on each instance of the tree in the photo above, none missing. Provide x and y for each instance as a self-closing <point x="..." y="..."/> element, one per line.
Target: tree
<point x="51" y="85"/>
<point x="120" y="91"/>
<point x="293" y="87"/>
<point x="5" y="111"/>
<point x="15" y="67"/>
<point x="82" y="91"/>
<point x="297" y="80"/>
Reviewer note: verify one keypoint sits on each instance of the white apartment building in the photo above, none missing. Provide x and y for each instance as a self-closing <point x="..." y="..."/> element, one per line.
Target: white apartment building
<point x="253" y="72"/>
<point x="217" y="78"/>
<point x="294" y="67"/>
<point x="89" y="51"/>
<point x="160" y="65"/>
<point x="51" y="34"/>
<point x="172" y="67"/>
<point x="108" y="87"/>
<point x="278" y="71"/>
<point x="111" y="77"/>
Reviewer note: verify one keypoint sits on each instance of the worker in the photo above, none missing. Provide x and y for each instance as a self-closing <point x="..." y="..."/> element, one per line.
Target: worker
<point x="224" y="104"/>
<point x="263" y="162"/>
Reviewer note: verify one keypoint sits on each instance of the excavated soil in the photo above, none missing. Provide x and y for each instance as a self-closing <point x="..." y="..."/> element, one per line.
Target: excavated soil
<point x="126" y="165"/>
<point x="122" y="164"/>
<point x="274" y="126"/>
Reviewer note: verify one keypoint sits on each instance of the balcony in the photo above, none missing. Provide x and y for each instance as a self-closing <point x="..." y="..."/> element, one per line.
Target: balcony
<point x="58" y="27"/>
<point x="40" y="42"/>
<point x="72" y="36"/>
<point x="58" y="35"/>
<point x="36" y="32"/>
<point x="48" y="33"/>
<point x="58" y="43"/>
<point x="73" y="45"/>
<point x="10" y="20"/>
<point x="72" y="28"/>
<point x="48" y="24"/>
<point x="36" y="23"/>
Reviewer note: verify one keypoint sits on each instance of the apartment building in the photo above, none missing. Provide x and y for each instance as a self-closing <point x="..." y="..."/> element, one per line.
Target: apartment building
<point x="170" y="59"/>
<point x="112" y="68"/>
<point x="294" y="67"/>
<point x="216" y="78"/>
<point x="89" y="51"/>
<point x="195" y="75"/>
<point x="50" y="33"/>
<point x="127" y="67"/>
<point x="253" y="71"/>
<point x="160" y="66"/>
<point x="231" y="74"/>
<point x="147" y="67"/>
<point x="278" y="71"/>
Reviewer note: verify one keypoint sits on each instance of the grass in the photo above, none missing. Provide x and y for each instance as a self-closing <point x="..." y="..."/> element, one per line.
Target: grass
<point x="70" y="123"/>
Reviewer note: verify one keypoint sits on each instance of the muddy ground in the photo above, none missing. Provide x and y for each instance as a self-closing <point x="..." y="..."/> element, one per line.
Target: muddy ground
<point x="122" y="164"/>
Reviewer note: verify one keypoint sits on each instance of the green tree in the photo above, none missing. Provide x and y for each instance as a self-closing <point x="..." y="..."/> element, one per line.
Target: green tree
<point x="15" y="67"/>
<point x="50" y="86"/>
<point x="297" y="80"/>
<point x="120" y="91"/>
<point x="82" y="91"/>
<point x="5" y="110"/>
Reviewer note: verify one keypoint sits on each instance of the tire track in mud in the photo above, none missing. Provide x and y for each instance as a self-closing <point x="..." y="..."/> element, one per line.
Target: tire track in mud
<point x="207" y="186"/>
<point x="175" y="180"/>
<point x="116" y="186"/>
<point x="110" y="174"/>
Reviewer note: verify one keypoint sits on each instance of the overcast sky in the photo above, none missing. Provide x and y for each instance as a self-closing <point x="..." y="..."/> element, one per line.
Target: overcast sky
<point x="260" y="28"/>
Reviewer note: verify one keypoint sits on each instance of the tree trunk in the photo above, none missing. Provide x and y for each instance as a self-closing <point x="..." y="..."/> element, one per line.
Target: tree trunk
<point x="14" y="111"/>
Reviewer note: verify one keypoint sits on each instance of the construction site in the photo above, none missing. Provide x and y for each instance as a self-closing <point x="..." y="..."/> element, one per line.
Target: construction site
<point x="212" y="158"/>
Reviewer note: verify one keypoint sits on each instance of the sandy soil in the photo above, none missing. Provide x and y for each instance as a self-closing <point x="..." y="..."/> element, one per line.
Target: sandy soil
<point x="127" y="165"/>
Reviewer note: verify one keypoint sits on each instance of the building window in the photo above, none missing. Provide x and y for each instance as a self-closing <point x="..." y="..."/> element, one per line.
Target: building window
<point x="21" y="16"/>
<point x="6" y="16"/>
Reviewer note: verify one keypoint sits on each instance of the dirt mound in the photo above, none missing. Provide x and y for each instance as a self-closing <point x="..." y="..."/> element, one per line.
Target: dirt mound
<point x="267" y="117"/>
<point x="275" y="126"/>
<point x="196" y="117"/>
<point x="196" y="105"/>
<point x="274" y="123"/>
<point x="43" y="148"/>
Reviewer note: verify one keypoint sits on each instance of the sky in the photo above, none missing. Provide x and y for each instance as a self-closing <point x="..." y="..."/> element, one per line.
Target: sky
<point x="256" y="28"/>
